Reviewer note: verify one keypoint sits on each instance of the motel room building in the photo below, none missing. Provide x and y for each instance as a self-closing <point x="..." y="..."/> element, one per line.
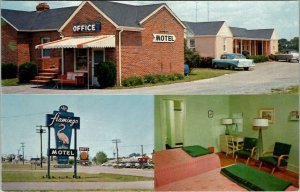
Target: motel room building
<point x="140" y="40"/>
<point x="212" y="39"/>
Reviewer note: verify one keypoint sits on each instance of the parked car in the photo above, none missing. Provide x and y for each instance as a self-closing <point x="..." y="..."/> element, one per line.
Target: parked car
<point x="287" y="56"/>
<point x="233" y="61"/>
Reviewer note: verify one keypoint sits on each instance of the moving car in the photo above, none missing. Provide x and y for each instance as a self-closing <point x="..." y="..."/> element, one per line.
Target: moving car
<point x="233" y="61"/>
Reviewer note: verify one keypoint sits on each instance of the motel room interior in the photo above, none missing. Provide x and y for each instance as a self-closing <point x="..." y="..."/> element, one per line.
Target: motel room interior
<point x="201" y="141"/>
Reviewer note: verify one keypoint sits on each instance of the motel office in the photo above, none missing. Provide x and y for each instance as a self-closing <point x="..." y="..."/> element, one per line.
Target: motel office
<point x="140" y="40"/>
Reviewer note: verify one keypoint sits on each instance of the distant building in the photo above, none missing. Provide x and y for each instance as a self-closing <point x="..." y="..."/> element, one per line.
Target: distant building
<point x="212" y="39"/>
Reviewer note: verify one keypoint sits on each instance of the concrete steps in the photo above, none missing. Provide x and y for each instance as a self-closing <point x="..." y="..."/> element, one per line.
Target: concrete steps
<point x="45" y="76"/>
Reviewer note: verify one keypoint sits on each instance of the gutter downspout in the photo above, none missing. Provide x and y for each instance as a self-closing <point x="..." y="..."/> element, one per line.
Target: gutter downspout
<point x="120" y="56"/>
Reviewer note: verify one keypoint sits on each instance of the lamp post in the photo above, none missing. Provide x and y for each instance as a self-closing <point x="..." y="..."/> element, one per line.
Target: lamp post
<point x="259" y="124"/>
<point x="41" y="131"/>
<point x="227" y="122"/>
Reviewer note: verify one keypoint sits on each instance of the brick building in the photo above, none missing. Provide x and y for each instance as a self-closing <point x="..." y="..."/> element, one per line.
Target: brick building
<point x="141" y="40"/>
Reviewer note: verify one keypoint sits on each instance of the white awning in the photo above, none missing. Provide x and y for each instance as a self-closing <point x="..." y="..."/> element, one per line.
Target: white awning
<point x="102" y="41"/>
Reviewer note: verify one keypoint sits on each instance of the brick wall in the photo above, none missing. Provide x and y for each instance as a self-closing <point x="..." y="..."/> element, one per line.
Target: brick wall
<point x="9" y="47"/>
<point x="141" y="56"/>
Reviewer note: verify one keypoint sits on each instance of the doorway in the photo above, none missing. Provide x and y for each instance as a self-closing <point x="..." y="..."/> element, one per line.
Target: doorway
<point x="98" y="57"/>
<point x="173" y="123"/>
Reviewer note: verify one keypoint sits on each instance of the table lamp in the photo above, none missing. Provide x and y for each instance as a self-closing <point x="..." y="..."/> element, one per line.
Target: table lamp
<point x="259" y="124"/>
<point x="227" y="121"/>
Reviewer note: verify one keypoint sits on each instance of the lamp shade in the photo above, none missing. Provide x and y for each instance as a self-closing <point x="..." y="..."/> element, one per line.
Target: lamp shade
<point x="260" y="122"/>
<point x="227" y="121"/>
<point x="237" y="120"/>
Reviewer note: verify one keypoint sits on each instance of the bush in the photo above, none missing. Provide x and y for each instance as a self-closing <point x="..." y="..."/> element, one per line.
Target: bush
<point x="192" y="58"/>
<point x="71" y="161"/>
<point x="106" y="73"/>
<point x="259" y="58"/>
<point x="9" y="71"/>
<point x="272" y="57"/>
<point x="27" y="72"/>
<point x="206" y="62"/>
<point x="133" y="81"/>
<point x="150" y="79"/>
<point x="179" y="76"/>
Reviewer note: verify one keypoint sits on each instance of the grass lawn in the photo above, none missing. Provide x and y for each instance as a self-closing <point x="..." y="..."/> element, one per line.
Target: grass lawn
<point x="20" y="166"/>
<point x="196" y="74"/>
<point x="14" y="176"/>
<point x="292" y="90"/>
<point x="10" y="82"/>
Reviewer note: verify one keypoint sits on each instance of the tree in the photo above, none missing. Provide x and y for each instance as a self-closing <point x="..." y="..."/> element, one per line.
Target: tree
<point x="100" y="157"/>
<point x="295" y="43"/>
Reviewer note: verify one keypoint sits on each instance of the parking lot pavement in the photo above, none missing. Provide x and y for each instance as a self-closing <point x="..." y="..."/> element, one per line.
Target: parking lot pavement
<point x="149" y="185"/>
<point x="261" y="80"/>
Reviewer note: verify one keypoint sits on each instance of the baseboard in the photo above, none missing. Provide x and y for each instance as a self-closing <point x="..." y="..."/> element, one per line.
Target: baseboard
<point x="293" y="168"/>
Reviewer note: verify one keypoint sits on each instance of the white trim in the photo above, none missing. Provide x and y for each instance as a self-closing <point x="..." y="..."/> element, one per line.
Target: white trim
<point x="93" y="66"/>
<point x="258" y="39"/>
<point x="158" y="9"/>
<point x="10" y="23"/>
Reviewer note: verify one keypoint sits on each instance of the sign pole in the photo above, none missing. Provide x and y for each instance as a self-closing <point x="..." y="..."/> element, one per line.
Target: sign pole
<point x="48" y="174"/>
<point x="75" y="157"/>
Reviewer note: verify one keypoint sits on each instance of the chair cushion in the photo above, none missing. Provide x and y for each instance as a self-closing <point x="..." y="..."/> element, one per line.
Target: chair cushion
<point x="281" y="149"/>
<point x="273" y="160"/>
<point x="244" y="153"/>
<point x="249" y="143"/>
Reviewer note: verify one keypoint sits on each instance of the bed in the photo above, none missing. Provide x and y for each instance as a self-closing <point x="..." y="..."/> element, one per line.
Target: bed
<point x="175" y="170"/>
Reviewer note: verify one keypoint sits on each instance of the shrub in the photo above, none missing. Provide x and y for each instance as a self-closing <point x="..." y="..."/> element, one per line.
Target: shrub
<point x="272" y="57"/>
<point x="133" y="81"/>
<point x="192" y="58"/>
<point x="150" y="79"/>
<point x="161" y="78"/>
<point x="179" y="76"/>
<point x="206" y="62"/>
<point x="259" y="58"/>
<point x="106" y="74"/>
<point x="27" y="72"/>
<point x="9" y="71"/>
<point x="71" y="161"/>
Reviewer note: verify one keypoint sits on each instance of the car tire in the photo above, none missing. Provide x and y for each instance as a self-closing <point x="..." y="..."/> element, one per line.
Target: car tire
<point x="246" y="68"/>
<point x="231" y="67"/>
<point x="215" y="66"/>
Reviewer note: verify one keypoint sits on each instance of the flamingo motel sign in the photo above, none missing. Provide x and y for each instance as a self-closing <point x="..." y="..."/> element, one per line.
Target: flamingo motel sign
<point x="63" y="123"/>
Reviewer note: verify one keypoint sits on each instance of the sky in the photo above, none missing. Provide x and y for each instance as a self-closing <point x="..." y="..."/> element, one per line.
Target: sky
<point x="283" y="16"/>
<point x="103" y="118"/>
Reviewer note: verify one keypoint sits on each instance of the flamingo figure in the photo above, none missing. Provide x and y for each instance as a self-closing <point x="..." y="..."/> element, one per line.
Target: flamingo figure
<point x="61" y="136"/>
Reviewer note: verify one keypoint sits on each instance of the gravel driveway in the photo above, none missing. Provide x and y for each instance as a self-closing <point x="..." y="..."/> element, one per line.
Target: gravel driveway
<point x="259" y="81"/>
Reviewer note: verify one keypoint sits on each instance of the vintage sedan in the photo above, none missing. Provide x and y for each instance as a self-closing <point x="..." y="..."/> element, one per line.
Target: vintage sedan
<point x="233" y="61"/>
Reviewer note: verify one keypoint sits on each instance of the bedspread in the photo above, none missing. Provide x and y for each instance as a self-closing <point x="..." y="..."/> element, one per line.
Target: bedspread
<point x="175" y="164"/>
<point x="209" y="181"/>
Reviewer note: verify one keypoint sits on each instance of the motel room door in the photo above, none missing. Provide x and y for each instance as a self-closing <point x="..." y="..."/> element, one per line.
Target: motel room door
<point x="98" y="57"/>
<point x="173" y="122"/>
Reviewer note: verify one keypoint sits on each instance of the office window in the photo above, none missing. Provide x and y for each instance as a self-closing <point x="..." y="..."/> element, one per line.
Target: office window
<point x="81" y="60"/>
<point x="192" y="43"/>
<point x="45" y="52"/>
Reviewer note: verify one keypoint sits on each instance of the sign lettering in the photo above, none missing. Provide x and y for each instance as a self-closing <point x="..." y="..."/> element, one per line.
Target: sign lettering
<point x="87" y="27"/>
<point x="62" y="152"/>
<point x="164" y="38"/>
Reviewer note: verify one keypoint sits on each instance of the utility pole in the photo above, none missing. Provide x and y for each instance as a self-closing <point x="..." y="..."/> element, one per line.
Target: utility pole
<point x="41" y="131"/>
<point x="142" y="151"/>
<point x="116" y="141"/>
<point x="23" y="145"/>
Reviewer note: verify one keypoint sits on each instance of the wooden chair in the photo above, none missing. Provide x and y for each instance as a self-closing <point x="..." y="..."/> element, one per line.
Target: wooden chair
<point x="280" y="156"/>
<point x="248" y="149"/>
<point x="231" y="145"/>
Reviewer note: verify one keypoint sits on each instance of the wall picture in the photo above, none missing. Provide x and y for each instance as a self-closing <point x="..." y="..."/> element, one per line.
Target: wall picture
<point x="267" y="113"/>
<point x="294" y="116"/>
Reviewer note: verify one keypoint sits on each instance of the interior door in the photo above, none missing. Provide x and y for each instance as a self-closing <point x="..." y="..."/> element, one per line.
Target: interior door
<point x="98" y="58"/>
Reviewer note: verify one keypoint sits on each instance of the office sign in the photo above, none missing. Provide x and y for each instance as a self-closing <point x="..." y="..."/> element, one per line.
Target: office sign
<point x="164" y="38"/>
<point x="87" y="27"/>
<point x="63" y="152"/>
<point x="63" y="122"/>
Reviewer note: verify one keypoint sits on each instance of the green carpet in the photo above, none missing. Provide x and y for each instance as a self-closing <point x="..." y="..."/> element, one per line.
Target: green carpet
<point x="253" y="179"/>
<point x="196" y="150"/>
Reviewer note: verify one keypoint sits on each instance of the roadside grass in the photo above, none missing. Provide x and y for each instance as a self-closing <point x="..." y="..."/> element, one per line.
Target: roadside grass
<point x="13" y="176"/>
<point x="10" y="82"/>
<point x="196" y="74"/>
<point x="20" y="166"/>
<point x="292" y="90"/>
